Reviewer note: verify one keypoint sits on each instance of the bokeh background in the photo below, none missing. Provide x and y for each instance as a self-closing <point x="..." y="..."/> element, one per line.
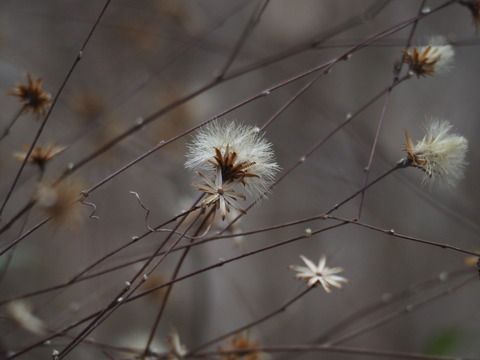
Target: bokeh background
<point x="146" y="55"/>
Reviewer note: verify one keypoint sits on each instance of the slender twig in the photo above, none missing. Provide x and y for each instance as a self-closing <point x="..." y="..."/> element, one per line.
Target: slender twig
<point x="168" y="291"/>
<point x="406" y="237"/>
<point x="250" y="325"/>
<point x="12" y="122"/>
<point x="253" y="21"/>
<point x="384" y="111"/>
<point x="54" y="102"/>
<point x="404" y="310"/>
<point x="125" y="293"/>
<point x="388" y="300"/>
<point x="331" y="349"/>
<point x="211" y="84"/>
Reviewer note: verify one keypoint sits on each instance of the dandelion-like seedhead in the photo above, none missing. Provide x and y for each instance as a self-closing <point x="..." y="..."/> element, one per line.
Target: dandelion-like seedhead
<point x="33" y="97"/>
<point x="440" y="154"/>
<point x="319" y="274"/>
<point x="232" y="159"/>
<point x="434" y="58"/>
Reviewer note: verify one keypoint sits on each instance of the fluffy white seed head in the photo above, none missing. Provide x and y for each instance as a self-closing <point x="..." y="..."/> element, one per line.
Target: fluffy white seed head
<point x="440" y="154"/>
<point x="239" y="151"/>
<point x="435" y="57"/>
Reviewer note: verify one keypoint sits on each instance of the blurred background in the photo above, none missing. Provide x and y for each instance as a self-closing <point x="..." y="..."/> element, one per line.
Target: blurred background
<point x="145" y="56"/>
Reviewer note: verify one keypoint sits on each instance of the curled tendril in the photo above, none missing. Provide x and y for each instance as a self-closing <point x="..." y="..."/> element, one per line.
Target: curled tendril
<point x="84" y="195"/>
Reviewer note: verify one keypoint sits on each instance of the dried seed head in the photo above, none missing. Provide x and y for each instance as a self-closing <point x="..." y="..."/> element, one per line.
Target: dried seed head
<point x="440" y="154"/>
<point x="33" y="97"/>
<point x="234" y="159"/>
<point x="434" y="58"/>
<point x="239" y="152"/>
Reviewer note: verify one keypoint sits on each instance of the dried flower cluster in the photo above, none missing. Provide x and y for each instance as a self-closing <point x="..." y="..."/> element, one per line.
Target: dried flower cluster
<point x="33" y="97"/>
<point x="319" y="274"/>
<point x="232" y="160"/>
<point x="434" y="58"/>
<point x="440" y="154"/>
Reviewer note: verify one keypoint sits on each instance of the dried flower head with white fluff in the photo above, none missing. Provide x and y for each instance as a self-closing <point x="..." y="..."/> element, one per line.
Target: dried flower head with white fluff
<point x="440" y="154"/>
<point x="319" y="274"/>
<point x="434" y="58"/>
<point x="233" y="159"/>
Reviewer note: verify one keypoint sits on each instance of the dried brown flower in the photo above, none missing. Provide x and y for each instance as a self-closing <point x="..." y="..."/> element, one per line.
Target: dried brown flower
<point x="39" y="156"/>
<point x="243" y="347"/>
<point x="33" y="97"/>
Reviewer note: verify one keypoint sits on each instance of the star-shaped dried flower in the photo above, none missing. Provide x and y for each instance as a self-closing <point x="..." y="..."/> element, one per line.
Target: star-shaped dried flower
<point x="39" y="156"/>
<point x="319" y="274"/>
<point x="440" y="154"/>
<point x="33" y="97"/>
<point x="433" y="58"/>
<point x="243" y="347"/>
<point x="221" y="194"/>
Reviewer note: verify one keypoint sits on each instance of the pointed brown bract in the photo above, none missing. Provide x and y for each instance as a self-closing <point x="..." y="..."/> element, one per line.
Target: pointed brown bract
<point x="220" y="194"/>
<point x="421" y="63"/>
<point x="231" y="168"/>
<point x="33" y="97"/>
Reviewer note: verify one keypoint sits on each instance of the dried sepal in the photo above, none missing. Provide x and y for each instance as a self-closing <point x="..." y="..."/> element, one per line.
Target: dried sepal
<point x="219" y="194"/>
